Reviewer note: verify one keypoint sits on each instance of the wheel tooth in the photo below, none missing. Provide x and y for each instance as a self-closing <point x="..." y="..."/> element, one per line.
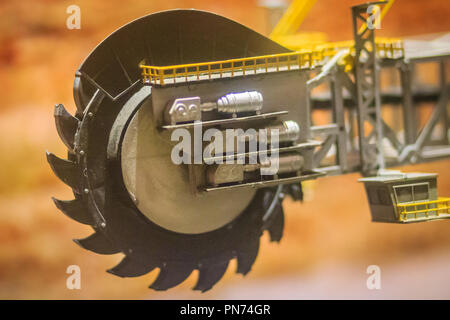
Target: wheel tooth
<point x="65" y="170"/>
<point x="171" y="276"/>
<point x="131" y="268"/>
<point x="66" y="125"/>
<point x="209" y="276"/>
<point x="74" y="209"/>
<point x="277" y="225"/>
<point x="246" y="256"/>
<point x="97" y="243"/>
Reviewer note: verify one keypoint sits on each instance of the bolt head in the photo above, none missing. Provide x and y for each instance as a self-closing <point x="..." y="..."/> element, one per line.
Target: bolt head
<point x="193" y="108"/>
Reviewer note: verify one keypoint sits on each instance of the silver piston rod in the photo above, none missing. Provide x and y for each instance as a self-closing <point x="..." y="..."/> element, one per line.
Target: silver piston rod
<point x="240" y="102"/>
<point x="286" y="131"/>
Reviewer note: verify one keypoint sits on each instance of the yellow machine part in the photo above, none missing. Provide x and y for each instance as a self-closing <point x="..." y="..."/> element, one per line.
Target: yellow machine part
<point x="293" y="18"/>
<point x="286" y="32"/>
<point x="318" y="55"/>
<point x="302" y="40"/>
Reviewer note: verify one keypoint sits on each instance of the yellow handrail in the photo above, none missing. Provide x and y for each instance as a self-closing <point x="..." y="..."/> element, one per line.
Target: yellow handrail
<point x="433" y="207"/>
<point x="386" y="48"/>
<point x="292" y="18"/>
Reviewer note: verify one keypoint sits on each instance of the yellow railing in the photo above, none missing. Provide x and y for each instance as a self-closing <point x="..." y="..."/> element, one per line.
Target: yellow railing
<point x="426" y="209"/>
<point x="305" y="59"/>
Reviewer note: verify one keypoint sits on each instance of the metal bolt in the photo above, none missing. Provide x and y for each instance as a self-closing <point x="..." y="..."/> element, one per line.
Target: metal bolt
<point x="181" y="108"/>
<point x="90" y="114"/>
<point x="103" y="224"/>
<point x="81" y="153"/>
<point x="86" y="191"/>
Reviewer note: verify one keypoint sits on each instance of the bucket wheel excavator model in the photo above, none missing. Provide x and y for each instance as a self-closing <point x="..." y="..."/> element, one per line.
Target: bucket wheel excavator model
<point x="190" y="71"/>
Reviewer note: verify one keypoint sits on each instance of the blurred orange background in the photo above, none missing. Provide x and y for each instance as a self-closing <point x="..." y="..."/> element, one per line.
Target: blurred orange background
<point x="329" y="240"/>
